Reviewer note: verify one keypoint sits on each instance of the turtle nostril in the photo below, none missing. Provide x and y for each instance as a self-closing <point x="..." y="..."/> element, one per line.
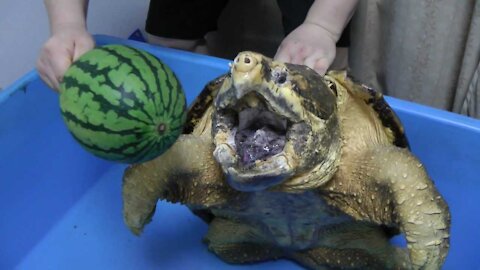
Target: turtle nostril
<point x="244" y="62"/>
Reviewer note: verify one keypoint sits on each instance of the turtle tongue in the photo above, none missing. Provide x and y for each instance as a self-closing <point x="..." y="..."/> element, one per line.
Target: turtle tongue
<point x="261" y="134"/>
<point x="258" y="144"/>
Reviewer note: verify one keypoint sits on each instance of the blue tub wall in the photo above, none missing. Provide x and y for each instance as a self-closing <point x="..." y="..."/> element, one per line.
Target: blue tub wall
<point x="43" y="172"/>
<point x="49" y="185"/>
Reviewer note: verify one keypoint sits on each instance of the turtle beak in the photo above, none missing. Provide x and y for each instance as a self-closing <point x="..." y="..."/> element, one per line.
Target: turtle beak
<point x="244" y="62"/>
<point x="246" y="72"/>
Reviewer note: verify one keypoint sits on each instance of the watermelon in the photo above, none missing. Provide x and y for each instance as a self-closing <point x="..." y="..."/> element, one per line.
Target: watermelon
<point x="122" y="104"/>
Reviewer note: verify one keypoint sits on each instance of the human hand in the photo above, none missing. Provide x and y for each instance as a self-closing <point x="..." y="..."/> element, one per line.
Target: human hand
<point x="65" y="45"/>
<point x="310" y="45"/>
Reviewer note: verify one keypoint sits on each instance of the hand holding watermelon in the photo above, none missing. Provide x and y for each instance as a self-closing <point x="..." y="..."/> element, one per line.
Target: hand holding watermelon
<point x="122" y="104"/>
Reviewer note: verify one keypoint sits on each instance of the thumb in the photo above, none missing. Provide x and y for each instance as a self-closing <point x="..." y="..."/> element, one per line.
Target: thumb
<point x="282" y="53"/>
<point x="82" y="46"/>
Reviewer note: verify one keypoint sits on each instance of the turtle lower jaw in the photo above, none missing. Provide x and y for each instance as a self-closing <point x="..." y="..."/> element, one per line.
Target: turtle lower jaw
<point x="265" y="174"/>
<point x="260" y="175"/>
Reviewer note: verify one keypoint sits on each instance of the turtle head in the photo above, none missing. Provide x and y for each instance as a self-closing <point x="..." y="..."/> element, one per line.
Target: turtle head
<point x="275" y="125"/>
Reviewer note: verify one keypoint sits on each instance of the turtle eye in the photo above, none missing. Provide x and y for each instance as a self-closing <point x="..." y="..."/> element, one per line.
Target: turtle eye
<point x="332" y="86"/>
<point x="279" y="76"/>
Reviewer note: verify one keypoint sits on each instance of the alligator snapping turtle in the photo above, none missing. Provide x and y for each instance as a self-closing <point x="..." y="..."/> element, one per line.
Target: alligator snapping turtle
<point x="284" y="163"/>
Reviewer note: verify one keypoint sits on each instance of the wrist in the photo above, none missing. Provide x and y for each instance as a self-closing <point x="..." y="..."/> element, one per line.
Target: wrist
<point x="62" y="27"/>
<point x="331" y="33"/>
<point x="331" y="15"/>
<point x="66" y="14"/>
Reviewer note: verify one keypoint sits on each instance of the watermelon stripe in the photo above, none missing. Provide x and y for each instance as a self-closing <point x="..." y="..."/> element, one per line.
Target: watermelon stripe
<point x="138" y="72"/>
<point x="170" y="138"/>
<point x="128" y="150"/>
<point x="142" y="153"/>
<point x="120" y="90"/>
<point x="99" y="152"/>
<point x="151" y="64"/>
<point x="171" y="82"/>
<point x="140" y="145"/>
<point x="165" y="83"/>
<point x="178" y="98"/>
<point x="87" y="69"/>
<point x="144" y="100"/>
<point x="133" y="131"/>
<point x="142" y="96"/>
<point x="121" y="157"/>
<point x="124" y="94"/>
<point x="177" y="123"/>
<point x="168" y="81"/>
<point x="177" y="128"/>
<point x="153" y="96"/>
<point x="174" y="83"/>
<point x="104" y="103"/>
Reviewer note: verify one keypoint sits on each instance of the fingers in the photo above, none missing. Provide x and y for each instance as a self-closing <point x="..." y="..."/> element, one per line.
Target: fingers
<point x="293" y="52"/>
<point x="54" y="60"/>
<point x="319" y="62"/>
<point x="283" y="54"/>
<point x="299" y="54"/>
<point x="57" y="55"/>
<point x="82" y="46"/>
<point x="49" y="74"/>
<point x="308" y="45"/>
<point x="47" y="81"/>
<point x="59" y="66"/>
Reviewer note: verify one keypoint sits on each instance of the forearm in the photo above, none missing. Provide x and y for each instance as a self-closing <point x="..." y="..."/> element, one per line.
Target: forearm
<point x="66" y="12"/>
<point x="332" y="15"/>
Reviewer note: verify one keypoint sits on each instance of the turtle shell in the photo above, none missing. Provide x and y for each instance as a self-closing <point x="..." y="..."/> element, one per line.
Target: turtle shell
<point x="385" y="113"/>
<point x="201" y="103"/>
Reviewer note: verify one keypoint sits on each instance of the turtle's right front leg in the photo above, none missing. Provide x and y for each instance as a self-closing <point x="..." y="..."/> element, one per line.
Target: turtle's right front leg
<point x="184" y="173"/>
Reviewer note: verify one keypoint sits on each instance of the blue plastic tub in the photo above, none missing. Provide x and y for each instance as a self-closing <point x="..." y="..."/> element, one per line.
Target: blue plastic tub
<point x="60" y="207"/>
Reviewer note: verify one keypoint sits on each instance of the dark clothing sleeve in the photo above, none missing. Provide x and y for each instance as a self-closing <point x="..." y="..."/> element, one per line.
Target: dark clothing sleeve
<point x="183" y="19"/>
<point x="294" y="13"/>
<point x="193" y="19"/>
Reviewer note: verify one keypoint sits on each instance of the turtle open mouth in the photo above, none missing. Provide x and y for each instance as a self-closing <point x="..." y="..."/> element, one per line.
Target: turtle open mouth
<point x="260" y="133"/>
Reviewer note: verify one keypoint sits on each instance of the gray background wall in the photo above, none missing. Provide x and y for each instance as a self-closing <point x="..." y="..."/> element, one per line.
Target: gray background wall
<point x="245" y="24"/>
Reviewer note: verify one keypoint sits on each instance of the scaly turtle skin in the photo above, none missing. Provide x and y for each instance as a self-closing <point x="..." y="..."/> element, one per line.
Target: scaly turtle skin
<point x="284" y="163"/>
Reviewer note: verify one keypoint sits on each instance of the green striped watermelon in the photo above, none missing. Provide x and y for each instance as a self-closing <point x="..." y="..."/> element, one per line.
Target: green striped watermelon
<point x="122" y="104"/>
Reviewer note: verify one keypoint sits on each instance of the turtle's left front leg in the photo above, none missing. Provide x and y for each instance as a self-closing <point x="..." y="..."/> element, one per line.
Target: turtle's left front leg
<point x="186" y="173"/>
<point x="411" y="200"/>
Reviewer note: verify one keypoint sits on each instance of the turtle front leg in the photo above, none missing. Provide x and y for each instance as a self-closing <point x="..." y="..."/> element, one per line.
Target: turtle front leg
<point x="182" y="174"/>
<point x="414" y="203"/>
